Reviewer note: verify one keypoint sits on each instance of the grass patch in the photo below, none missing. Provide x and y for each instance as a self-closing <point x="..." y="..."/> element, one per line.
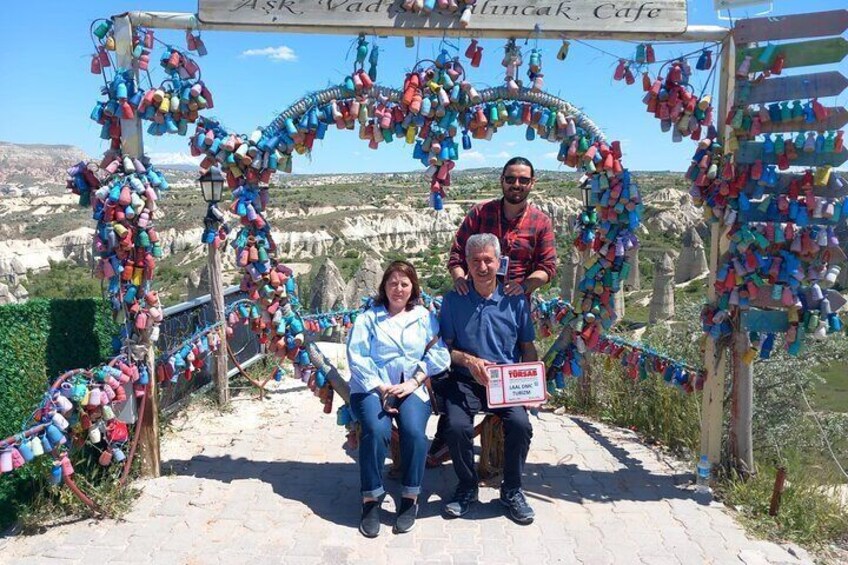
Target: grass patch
<point x="808" y="515"/>
<point x="832" y="394"/>
<point x="51" y="503"/>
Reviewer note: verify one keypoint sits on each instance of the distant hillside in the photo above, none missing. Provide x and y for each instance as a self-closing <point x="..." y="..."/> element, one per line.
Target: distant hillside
<point x="36" y="165"/>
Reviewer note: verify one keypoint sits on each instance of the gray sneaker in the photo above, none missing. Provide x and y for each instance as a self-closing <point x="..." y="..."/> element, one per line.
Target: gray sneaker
<point x="369" y="526"/>
<point x="519" y="510"/>
<point x="461" y="502"/>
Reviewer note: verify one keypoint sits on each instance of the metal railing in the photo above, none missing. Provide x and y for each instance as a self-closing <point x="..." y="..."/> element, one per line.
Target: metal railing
<point x="180" y="322"/>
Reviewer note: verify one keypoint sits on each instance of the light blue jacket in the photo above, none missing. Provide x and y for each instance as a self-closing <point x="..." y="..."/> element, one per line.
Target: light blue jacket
<point x="381" y="349"/>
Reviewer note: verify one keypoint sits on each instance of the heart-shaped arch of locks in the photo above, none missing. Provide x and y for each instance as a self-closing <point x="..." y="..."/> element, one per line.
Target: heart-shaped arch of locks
<point x="438" y="111"/>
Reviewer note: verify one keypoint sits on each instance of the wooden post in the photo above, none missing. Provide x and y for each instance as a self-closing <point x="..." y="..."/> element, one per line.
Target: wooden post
<point x="148" y="442"/>
<point x="740" y="441"/>
<point x="712" y="401"/>
<point x="777" y="491"/>
<point x="216" y="293"/>
<point x="742" y="403"/>
<point x="132" y="144"/>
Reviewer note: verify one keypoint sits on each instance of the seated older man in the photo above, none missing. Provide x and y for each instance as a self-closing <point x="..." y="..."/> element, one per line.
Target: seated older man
<point x="485" y="327"/>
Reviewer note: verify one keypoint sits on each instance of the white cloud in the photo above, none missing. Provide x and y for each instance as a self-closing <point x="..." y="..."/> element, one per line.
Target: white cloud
<point x="176" y="158"/>
<point x="551" y="155"/>
<point x="472" y="156"/>
<point x="276" y="54"/>
<point x="502" y="155"/>
<point x="510" y="144"/>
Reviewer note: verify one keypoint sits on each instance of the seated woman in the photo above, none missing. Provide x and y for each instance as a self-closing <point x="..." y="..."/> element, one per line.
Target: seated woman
<point x="392" y="349"/>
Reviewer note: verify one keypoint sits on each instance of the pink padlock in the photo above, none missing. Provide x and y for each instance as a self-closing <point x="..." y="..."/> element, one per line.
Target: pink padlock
<point x="94" y="397"/>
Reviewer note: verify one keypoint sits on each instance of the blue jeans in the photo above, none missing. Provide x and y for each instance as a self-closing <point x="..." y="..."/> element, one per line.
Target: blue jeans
<point x="376" y="434"/>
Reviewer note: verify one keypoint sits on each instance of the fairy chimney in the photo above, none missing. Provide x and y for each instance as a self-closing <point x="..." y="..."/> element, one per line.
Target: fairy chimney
<point x="328" y="289"/>
<point x="692" y="262"/>
<point x="634" y="279"/>
<point x="618" y="297"/>
<point x="569" y="280"/>
<point x="197" y="282"/>
<point x="365" y="282"/>
<point x="662" y="301"/>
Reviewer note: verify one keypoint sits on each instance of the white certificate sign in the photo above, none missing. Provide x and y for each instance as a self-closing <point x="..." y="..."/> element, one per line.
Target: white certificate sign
<point x="516" y="385"/>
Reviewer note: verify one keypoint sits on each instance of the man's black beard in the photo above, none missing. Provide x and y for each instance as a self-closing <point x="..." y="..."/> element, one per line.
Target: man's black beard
<point x="509" y="196"/>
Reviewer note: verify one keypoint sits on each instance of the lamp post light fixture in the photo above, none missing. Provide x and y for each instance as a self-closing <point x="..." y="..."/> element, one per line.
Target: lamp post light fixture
<point x="212" y="187"/>
<point x="586" y="191"/>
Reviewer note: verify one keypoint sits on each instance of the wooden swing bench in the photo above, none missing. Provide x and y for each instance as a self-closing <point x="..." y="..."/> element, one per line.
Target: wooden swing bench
<point x="490" y="431"/>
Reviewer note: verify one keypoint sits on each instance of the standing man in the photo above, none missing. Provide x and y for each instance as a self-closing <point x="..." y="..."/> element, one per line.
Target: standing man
<point x="526" y="234"/>
<point x="485" y="326"/>
<point x="526" y="237"/>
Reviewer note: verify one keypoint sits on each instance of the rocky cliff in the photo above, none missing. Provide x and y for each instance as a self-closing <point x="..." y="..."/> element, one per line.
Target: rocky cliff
<point x="24" y="166"/>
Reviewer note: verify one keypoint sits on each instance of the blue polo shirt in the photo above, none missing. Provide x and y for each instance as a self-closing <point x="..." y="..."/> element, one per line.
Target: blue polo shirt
<point x="488" y="328"/>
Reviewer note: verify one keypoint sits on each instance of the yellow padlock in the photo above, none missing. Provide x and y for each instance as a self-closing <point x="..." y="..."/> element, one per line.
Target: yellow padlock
<point x="165" y="105"/>
<point x="822" y="176"/>
<point x="138" y="277"/>
<point x="793" y="315"/>
<point x="410" y="134"/>
<point x="110" y="43"/>
<point x="120" y="230"/>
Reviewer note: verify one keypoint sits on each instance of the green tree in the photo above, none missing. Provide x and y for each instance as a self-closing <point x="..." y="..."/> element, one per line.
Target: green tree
<point x="63" y="280"/>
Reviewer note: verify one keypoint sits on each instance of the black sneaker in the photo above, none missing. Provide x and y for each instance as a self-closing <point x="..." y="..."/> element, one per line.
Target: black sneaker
<point x="406" y="515"/>
<point x="461" y="502"/>
<point x="519" y="510"/>
<point x="370" y="523"/>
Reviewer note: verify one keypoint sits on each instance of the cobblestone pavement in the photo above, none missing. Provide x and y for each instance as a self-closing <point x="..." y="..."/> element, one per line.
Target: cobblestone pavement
<point x="269" y="482"/>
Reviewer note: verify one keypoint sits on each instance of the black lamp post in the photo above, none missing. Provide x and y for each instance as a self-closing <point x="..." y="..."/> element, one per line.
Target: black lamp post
<point x="586" y="191"/>
<point x="212" y="187"/>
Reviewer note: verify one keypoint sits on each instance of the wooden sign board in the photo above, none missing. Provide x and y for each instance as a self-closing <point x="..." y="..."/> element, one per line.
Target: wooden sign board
<point x="836" y="187"/>
<point x="764" y="299"/>
<point x="520" y="16"/>
<point x="804" y="54"/>
<point x="755" y="215"/>
<point x="817" y="85"/>
<point x="750" y="151"/>
<point x="796" y="26"/>
<point x="836" y="118"/>
<point x="765" y="321"/>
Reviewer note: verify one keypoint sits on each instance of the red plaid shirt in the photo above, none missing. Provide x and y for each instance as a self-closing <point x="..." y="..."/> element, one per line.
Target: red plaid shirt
<point x="531" y="235"/>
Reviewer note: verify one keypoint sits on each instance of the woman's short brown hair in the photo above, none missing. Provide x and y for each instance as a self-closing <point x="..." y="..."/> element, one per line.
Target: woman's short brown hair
<point x="406" y="269"/>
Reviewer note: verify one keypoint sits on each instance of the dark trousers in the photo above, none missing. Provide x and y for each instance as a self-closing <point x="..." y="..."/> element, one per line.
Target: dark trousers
<point x="463" y="399"/>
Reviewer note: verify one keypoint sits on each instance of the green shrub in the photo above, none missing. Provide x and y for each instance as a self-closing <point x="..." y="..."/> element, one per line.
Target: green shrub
<point x="63" y="280"/>
<point x="39" y="340"/>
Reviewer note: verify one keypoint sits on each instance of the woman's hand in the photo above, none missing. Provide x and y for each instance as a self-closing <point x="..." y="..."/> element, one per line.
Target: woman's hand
<point x="403" y="389"/>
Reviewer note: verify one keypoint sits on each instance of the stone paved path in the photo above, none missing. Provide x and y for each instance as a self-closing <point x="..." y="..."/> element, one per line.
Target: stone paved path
<point x="269" y="482"/>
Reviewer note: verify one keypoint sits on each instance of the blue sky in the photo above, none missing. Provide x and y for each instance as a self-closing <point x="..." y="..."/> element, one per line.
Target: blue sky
<point x="48" y="90"/>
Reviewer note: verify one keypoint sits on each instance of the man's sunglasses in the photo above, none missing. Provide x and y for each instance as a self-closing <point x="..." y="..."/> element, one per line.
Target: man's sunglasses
<point x="523" y="181"/>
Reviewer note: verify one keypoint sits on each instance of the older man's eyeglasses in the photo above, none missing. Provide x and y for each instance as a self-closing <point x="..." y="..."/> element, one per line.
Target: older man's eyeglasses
<point x="523" y="181"/>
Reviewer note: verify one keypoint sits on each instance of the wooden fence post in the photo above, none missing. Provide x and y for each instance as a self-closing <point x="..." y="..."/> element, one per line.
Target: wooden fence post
<point x="132" y="144"/>
<point x="216" y="292"/>
<point x="712" y="402"/>
<point x="742" y="405"/>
